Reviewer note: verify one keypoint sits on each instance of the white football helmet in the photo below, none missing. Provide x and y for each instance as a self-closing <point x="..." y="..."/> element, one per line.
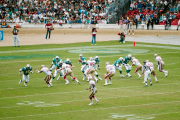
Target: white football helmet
<point x="42" y="66"/>
<point x="96" y="57"/>
<point x="107" y="63"/>
<point x="133" y="58"/>
<point x="121" y="58"/>
<point x="61" y="62"/>
<point x="80" y="55"/>
<point x="27" y="66"/>
<point x="57" y="57"/>
<point x="147" y="61"/>
<point x="68" y="60"/>
<point x="129" y="56"/>
<point x="155" y="55"/>
<point x="90" y="58"/>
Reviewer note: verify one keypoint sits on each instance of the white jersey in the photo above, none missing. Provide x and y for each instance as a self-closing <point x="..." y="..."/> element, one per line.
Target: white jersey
<point x="136" y="62"/>
<point x="66" y="67"/>
<point x="158" y="59"/>
<point x="110" y="68"/>
<point x="91" y="64"/>
<point x="150" y="64"/>
<point x="92" y="85"/>
<point x="45" y="70"/>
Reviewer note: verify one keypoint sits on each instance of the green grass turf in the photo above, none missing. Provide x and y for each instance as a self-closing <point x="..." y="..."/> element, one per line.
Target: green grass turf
<point x="126" y="98"/>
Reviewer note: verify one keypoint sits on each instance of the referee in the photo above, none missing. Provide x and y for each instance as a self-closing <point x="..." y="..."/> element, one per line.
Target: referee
<point x="49" y="27"/>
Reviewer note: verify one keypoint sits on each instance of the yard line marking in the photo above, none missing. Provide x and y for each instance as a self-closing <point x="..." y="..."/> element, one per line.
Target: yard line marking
<point x="74" y="91"/>
<point x="103" y="108"/>
<point x="147" y="93"/>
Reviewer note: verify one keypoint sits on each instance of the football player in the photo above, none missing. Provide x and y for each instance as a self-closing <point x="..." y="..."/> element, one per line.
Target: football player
<point x="90" y="69"/>
<point x="126" y="65"/>
<point x="54" y="62"/>
<point x="118" y="67"/>
<point x="137" y="64"/>
<point x="26" y="70"/>
<point x="94" y="91"/>
<point x="110" y="73"/>
<point x="48" y="74"/>
<point x="68" y="71"/>
<point x="147" y="73"/>
<point x="97" y="60"/>
<point x="150" y="64"/>
<point x="82" y="60"/>
<point x="160" y="64"/>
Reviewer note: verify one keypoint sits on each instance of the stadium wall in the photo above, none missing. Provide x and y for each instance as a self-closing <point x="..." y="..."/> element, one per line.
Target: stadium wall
<point x="98" y="26"/>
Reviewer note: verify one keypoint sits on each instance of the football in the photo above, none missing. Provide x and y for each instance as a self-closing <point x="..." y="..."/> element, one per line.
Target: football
<point x="80" y="60"/>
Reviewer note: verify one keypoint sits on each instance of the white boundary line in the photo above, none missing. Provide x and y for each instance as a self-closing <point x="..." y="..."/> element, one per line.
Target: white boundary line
<point x="103" y="108"/>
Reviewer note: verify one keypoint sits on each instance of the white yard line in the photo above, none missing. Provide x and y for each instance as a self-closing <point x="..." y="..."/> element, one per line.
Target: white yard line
<point x="103" y="108"/>
<point x="145" y="94"/>
<point x="75" y="91"/>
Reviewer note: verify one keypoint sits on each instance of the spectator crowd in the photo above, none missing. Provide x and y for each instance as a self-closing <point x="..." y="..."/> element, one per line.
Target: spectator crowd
<point x="55" y="11"/>
<point x="149" y="12"/>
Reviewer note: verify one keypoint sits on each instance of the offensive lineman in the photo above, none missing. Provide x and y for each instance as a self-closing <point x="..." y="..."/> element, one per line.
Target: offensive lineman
<point x="97" y="60"/>
<point x="150" y="64"/>
<point x="117" y="65"/>
<point x="68" y="71"/>
<point x="48" y="74"/>
<point x="160" y="64"/>
<point x="110" y="73"/>
<point x="138" y="64"/>
<point x="26" y="71"/>
<point x="126" y="65"/>
<point x="147" y="73"/>
<point x="94" y="91"/>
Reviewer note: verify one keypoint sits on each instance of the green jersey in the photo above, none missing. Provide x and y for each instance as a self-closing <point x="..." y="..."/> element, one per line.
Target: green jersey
<point x="56" y="61"/>
<point x="67" y="62"/>
<point x="58" y="65"/>
<point x="83" y="60"/>
<point x="26" y="70"/>
<point x="117" y="62"/>
<point x="97" y="60"/>
<point x="126" y="60"/>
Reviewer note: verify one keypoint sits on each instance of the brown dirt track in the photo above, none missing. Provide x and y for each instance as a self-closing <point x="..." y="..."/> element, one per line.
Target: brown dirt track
<point x="32" y="36"/>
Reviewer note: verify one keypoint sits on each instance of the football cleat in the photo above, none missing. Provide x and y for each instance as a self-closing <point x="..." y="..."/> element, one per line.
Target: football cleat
<point x="145" y="85"/>
<point x="79" y="83"/>
<point x="121" y="75"/>
<point x="109" y="83"/>
<point x="97" y="101"/>
<point x="67" y="83"/>
<point x="20" y="82"/>
<point x="25" y="84"/>
<point x="91" y="104"/>
<point x="139" y="76"/>
<point x="105" y="84"/>
<point x="150" y="84"/>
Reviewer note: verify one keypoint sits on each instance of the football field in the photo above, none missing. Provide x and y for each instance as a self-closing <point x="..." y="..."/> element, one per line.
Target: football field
<point x="126" y="99"/>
